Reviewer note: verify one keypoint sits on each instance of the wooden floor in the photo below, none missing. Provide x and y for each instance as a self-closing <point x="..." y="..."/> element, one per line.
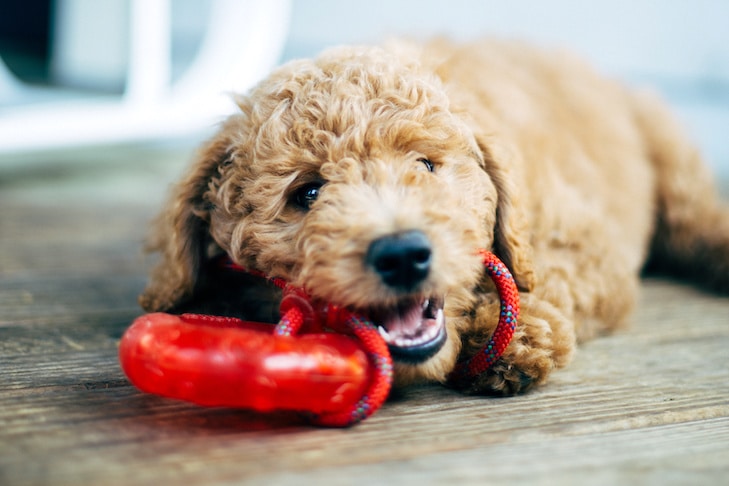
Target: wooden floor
<point x="648" y="405"/>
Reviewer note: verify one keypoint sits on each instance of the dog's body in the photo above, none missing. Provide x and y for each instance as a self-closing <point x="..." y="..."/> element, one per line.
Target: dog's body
<point x="370" y="176"/>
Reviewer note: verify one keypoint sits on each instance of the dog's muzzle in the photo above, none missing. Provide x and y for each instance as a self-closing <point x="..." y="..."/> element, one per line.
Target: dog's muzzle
<point x="414" y="328"/>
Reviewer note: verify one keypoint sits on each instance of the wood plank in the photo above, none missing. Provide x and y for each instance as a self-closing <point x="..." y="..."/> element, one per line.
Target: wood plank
<point x="647" y="404"/>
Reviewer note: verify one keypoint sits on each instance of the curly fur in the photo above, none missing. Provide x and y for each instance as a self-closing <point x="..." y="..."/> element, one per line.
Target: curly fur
<point x="571" y="179"/>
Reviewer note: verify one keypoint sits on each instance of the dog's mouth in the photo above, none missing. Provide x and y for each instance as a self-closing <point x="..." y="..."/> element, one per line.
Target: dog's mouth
<point x="414" y="328"/>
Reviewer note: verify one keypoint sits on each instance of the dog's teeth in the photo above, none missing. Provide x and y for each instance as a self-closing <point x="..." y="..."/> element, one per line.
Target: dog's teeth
<point x="430" y="334"/>
<point x="383" y="333"/>
<point x="403" y="342"/>
<point x="426" y="303"/>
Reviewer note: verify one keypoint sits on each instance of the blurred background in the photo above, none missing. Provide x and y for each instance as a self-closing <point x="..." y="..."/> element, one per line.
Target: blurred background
<point x="93" y="91"/>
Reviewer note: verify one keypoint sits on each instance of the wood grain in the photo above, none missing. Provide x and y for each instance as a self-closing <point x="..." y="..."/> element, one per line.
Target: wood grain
<point x="649" y="404"/>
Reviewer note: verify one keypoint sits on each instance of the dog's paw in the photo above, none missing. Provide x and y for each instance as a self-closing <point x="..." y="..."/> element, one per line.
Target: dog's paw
<point x="544" y="340"/>
<point x="501" y="379"/>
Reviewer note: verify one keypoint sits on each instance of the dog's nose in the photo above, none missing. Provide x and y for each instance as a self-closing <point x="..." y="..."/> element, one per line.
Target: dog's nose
<point x="402" y="260"/>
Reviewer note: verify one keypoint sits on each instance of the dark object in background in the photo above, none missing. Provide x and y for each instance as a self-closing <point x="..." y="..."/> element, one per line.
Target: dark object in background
<point x="25" y="38"/>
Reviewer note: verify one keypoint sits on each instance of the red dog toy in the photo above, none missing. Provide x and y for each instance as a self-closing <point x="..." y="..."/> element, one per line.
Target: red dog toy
<point x="222" y="361"/>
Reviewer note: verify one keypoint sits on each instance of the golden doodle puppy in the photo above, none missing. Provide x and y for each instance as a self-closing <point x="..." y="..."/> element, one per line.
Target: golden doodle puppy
<point x="370" y="177"/>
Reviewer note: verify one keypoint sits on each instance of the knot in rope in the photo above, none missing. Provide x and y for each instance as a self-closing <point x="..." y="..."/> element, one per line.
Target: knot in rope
<point x="296" y="311"/>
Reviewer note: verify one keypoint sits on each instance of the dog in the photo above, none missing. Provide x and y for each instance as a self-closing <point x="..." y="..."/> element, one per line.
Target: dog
<point x="370" y="176"/>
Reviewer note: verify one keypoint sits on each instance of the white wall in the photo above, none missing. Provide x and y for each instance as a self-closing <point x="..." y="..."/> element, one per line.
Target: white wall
<point x="679" y="46"/>
<point x="669" y="37"/>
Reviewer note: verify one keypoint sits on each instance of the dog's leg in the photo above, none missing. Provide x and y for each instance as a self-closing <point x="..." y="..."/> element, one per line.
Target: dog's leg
<point x="576" y="296"/>
<point x="692" y="230"/>
<point x="543" y="340"/>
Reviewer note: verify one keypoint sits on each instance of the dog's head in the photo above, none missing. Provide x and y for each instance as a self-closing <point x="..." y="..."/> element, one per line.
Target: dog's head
<point x="351" y="177"/>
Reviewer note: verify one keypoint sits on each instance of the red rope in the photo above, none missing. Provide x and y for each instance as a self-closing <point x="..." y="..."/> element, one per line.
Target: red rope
<point x="297" y="311"/>
<point x="508" y="316"/>
<point x="366" y="332"/>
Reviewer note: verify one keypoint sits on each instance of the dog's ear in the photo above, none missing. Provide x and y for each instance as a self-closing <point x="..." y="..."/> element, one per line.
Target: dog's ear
<point x="511" y="236"/>
<point x="181" y="232"/>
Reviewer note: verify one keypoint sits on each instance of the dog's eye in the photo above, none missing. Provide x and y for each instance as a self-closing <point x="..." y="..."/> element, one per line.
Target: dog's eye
<point x="305" y="196"/>
<point x="428" y="164"/>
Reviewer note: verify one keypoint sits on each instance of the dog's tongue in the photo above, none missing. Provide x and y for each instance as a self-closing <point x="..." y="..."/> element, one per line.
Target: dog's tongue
<point x="405" y="321"/>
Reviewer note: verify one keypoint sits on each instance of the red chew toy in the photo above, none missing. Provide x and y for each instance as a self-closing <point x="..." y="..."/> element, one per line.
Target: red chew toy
<point x="340" y="379"/>
<point x="222" y="361"/>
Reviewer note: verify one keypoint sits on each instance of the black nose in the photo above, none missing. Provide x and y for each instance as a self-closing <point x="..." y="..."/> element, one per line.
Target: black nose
<point x="402" y="260"/>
